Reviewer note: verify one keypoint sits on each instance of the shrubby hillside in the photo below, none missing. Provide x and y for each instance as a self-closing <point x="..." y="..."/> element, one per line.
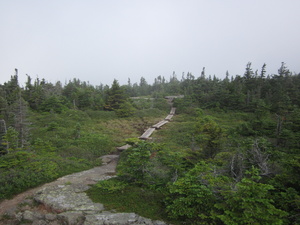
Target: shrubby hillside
<point x="230" y="155"/>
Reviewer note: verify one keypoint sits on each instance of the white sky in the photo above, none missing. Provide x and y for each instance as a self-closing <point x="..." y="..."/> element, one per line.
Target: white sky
<point x="99" y="40"/>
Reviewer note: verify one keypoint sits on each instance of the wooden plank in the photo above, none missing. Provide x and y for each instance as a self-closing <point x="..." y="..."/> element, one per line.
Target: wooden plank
<point x="169" y="117"/>
<point x="147" y="133"/>
<point x="173" y="110"/>
<point x="174" y="96"/>
<point x="160" y="124"/>
<point x="124" y="147"/>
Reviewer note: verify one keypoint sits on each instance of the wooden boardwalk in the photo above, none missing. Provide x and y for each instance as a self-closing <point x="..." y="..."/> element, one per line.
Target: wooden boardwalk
<point x="172" y="111"/>
<point x="146" y="135"/>
<point x="169" y="117"/>
<point x="124" y="147"/>
<point x="160" y="124"/>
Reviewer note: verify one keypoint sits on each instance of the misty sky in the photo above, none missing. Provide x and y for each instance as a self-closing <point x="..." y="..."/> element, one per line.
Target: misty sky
<point x="99" y="40"/>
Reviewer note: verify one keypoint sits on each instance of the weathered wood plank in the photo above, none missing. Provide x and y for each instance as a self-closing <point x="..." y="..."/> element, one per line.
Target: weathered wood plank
<point x="175" y="96"/>
<point x="173" y="109"/>
<point x="160" y="124"/>
<point x="124" y="147"/>
<point x="169" y="117"/>
<point x="147" y="133"/>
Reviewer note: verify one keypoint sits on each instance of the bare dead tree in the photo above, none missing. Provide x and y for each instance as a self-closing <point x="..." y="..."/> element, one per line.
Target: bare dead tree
<point x="18" y="112"/>
<point x="3" y="131"/>
<point x="259" y="158"/>
<point x="279" y="124"/>
<point x="237" y="166"/>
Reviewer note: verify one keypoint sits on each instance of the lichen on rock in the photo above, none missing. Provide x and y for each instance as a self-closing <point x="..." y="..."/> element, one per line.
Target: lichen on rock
<point x="62" y="198"/>
<point x="107" y="218"/>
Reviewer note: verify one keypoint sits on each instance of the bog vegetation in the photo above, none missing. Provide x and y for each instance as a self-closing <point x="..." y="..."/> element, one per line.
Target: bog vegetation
<point x="231" y="155"/>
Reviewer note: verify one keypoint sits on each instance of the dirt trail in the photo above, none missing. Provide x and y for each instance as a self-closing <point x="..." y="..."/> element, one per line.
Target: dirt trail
<point x="76" y="182"/>
<point x="87" y="177"/>
<point x="64" y="201"/>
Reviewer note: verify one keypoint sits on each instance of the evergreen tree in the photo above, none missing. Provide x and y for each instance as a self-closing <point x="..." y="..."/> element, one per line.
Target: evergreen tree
<point x="115" y="96"/>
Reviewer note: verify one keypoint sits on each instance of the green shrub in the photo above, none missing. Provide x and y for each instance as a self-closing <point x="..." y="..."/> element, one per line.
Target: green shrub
<point x="113" y="185"/>
<point x="192" y="198"/>
<point x="153" y="112"/>
<point x="144" y="202"/>
<point x="249" y="203"/>
<point x="101" y="115"/>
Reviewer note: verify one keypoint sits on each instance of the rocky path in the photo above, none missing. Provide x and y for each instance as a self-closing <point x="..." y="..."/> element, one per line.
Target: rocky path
<point x="64" y="201"/>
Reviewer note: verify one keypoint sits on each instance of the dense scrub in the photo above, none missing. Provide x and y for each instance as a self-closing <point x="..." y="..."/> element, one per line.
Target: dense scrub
<point x="206" y="170"/>
<point x="64" y="143"/>
<point x="230" y="156"/>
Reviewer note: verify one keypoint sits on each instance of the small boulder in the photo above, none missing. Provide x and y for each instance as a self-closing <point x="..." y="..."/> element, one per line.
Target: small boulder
<point x="40" y="222"/>
<point x="120" y="219"/>
<point x="71" y="218"/>
<point x="50" y="217"/>
<point x="28" y="215"/>
<point x="63" y="198"/>
<point x="31" y="216"/>
<point x="106" y="159"/>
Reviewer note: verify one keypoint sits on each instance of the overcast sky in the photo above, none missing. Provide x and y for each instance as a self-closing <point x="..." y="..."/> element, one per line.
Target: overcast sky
<point x="99" y="40"/>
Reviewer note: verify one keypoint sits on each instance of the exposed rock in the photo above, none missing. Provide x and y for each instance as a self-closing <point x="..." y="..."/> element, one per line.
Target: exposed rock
<point x="27" y="202"/>
<point x="19" y="216"/>
<point x="24" y="207"/>
<point x="158" y="222"/>
<point x="120" y="219"/>
<point x="50" y="217"/>
<point x="63" y="198"/>
<point x="11" y="211"/>
<point x="54" y="223"/>
<point x="28" y="215"/>
<point x="64" y="202"/>
<point x="106" y="159"/>
<point x="38" y="215"/>
<point x="91" y="176"/>
<point x="71" y="218"/>
<point x="124" y="147"/>
<point x="40" y="222"/>
<point x="10" y="222"/>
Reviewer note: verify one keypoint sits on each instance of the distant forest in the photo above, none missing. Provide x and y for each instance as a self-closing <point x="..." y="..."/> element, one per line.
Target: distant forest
<point x="249" y="167"/>
<point x="254" y="91"/>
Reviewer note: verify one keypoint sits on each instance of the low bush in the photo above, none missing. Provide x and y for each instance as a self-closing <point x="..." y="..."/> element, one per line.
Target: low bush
<point x="128" y="198"/>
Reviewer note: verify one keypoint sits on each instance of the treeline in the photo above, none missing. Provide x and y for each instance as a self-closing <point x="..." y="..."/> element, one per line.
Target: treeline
<point x="251" y="92"/>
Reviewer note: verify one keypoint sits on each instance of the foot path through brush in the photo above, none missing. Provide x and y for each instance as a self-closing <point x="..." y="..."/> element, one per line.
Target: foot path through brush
<point x="64" y="201"/>
<point x="83" y="179"/>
